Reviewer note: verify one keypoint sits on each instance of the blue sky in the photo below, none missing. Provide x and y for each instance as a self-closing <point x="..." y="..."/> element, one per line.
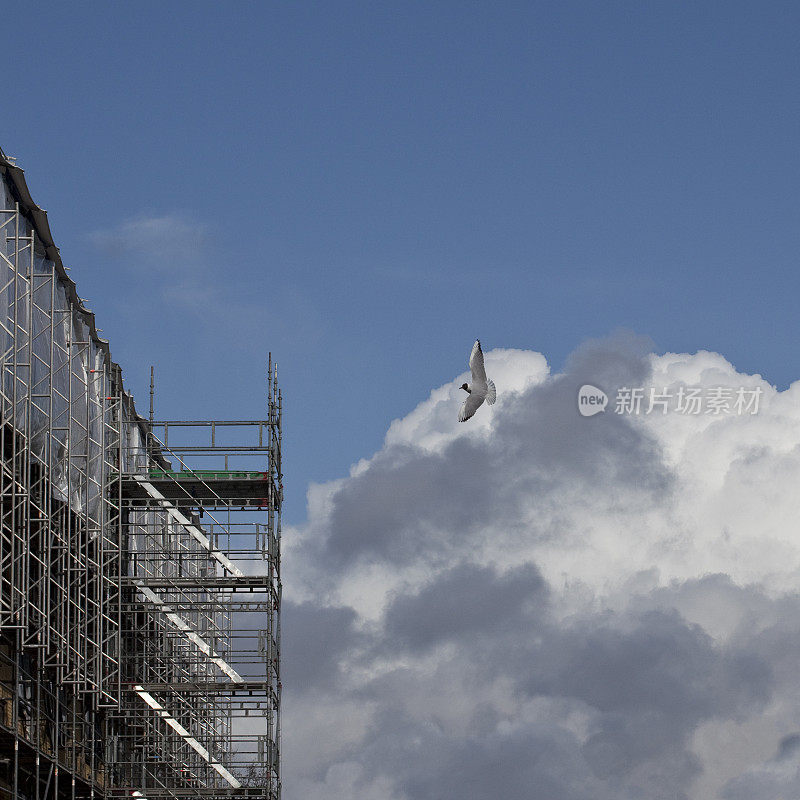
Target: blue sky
<point x="364" y="188"/>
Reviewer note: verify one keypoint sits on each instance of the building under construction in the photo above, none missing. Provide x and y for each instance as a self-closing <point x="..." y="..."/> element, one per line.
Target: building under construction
<point x="139" y="561"/>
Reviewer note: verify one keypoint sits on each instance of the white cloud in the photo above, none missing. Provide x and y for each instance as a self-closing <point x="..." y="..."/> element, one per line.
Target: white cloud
<point x="632" y="578"/>
<point x="156" y="242"/>
<point x="185" y="265"/>
<point x="171" y="254"/>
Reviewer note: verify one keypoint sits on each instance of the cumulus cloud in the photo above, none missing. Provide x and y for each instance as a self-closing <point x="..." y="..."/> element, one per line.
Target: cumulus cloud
<point x="541" y="605"/>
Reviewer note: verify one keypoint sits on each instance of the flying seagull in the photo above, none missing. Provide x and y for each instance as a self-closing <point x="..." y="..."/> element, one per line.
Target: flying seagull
<point x="481" y="387"/>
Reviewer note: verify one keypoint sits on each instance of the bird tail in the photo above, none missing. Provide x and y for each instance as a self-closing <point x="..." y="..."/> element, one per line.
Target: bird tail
<point x="491" y="392"/>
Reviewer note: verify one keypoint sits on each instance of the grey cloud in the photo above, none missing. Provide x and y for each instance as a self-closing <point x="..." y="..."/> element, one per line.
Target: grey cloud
<point x="532" y="761"/>
<point x="409" y="502"/>
<point x="778" y="779"/>
<point x="775" y="635"/>
<point x="789" y="747"/>
<point x="653" y="685"/>
<point x="661" y="665"/>
<point x="314" y="639"/>
<point x="645" y="679"/>
<point x="467" y="600"/>
<point x="543" y="442"/>
<point x="620" y="359"/>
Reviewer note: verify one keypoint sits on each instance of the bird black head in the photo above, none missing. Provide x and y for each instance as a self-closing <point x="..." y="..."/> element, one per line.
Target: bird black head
<point x="465" y="388"/>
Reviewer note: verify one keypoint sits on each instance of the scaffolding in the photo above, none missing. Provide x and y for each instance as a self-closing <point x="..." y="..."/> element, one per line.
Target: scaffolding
<point x="139" y="562"/>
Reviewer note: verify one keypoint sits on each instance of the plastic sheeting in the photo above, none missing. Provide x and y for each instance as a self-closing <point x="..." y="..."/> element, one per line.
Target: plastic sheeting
<point x="55" y="372"/>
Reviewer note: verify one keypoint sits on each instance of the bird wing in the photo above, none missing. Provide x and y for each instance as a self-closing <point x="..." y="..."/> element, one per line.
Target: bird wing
<point x="476" y="366"/>
<point x="469" y="407"/>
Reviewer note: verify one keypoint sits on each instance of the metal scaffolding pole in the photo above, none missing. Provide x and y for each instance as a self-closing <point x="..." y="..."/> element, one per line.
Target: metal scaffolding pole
<point x="139" y="563"/>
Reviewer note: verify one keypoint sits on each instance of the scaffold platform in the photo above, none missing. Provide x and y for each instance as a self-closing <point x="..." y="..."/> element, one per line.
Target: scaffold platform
<point x="202" y="487"/>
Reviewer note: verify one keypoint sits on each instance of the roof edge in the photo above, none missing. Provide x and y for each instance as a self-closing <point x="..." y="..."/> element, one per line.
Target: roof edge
<point x="37" y="216"/>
